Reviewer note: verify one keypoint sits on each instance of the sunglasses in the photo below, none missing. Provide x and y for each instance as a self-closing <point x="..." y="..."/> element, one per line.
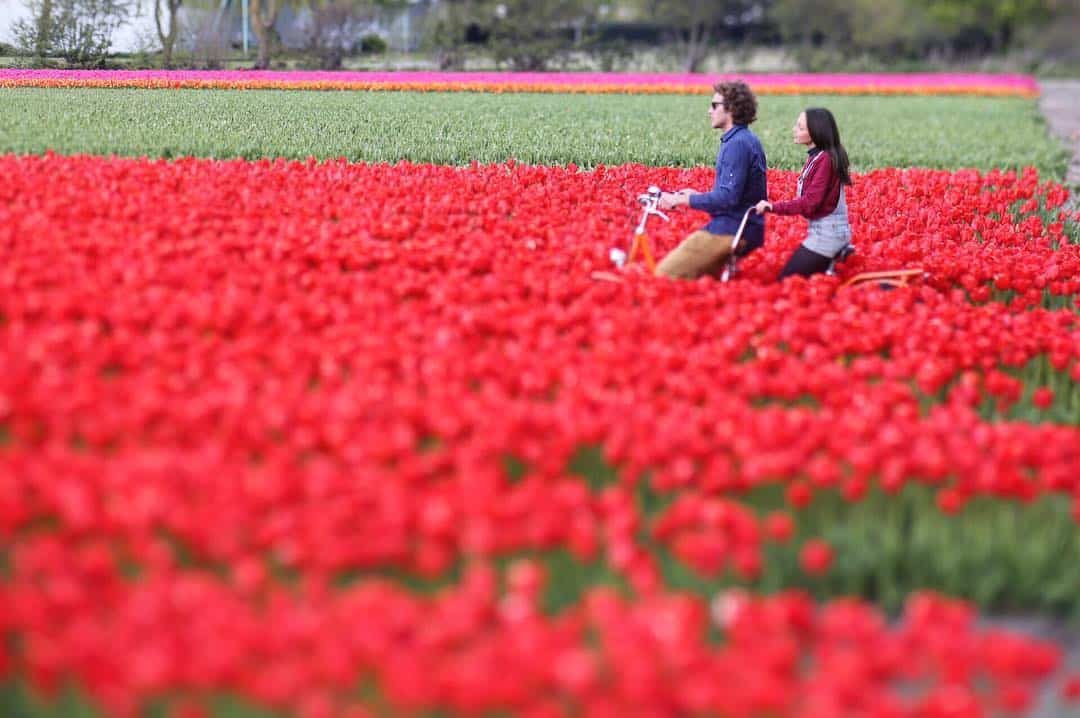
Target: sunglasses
<point x="714" y="105"/>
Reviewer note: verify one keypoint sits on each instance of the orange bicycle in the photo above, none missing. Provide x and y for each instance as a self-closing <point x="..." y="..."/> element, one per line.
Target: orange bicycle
<point x="640" y="243"/>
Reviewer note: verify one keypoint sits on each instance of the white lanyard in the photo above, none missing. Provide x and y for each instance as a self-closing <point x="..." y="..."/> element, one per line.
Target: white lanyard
<point x="806" y="169"/>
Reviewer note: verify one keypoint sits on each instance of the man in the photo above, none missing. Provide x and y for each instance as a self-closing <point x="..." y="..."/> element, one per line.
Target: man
<point x="740" y="184"/>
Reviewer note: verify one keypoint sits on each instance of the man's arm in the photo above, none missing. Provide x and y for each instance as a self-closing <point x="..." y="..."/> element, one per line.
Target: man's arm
<point x="731" y="179"/>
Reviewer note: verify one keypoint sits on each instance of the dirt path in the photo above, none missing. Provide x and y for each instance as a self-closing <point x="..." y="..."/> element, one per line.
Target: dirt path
<point x="1060" y="104"/>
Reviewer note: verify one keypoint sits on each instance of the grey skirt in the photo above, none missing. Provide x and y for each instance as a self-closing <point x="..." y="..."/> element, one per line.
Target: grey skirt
<point x="830" y="234"/>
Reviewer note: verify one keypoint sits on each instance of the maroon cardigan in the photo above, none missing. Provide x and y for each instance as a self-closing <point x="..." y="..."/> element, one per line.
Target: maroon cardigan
<point x="820" y="190"/>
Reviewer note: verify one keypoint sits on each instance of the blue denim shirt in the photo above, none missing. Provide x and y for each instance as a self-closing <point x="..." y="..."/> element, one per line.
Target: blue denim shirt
<point x="740" y="184"/>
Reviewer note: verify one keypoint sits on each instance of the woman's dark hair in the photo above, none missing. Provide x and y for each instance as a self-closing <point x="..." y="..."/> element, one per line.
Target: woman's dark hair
<point x="826" y="136"/>
<point x="739" y="101"/>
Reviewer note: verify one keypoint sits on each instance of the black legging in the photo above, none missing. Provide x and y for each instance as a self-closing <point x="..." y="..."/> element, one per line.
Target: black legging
<point x="805" y="262"/>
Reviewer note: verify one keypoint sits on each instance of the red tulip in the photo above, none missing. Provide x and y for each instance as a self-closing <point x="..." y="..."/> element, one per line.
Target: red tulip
<point x="245" y="405"/>
<point x="816" y="557"/>
<point x="779" y="527"/>
<point x="1070" y="689"/>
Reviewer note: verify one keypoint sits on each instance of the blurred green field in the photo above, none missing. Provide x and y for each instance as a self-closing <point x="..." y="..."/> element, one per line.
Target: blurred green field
<point x="457" y="128"/>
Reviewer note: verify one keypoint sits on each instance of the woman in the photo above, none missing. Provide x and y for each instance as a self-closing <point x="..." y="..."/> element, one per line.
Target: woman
<point x="820" y="194"/>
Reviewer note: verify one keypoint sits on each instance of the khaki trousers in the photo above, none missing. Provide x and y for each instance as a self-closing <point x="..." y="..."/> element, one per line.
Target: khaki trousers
<point x="699" y="254"/>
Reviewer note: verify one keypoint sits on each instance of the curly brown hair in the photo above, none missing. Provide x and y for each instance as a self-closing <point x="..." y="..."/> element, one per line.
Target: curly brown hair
<point x="739" y="101"/>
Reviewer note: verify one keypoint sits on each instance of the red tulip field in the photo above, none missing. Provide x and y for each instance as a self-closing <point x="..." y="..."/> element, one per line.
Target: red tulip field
<point x="331" y="439"/>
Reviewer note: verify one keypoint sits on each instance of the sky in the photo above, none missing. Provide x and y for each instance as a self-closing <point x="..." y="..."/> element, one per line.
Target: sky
<point x="10" y="11"/>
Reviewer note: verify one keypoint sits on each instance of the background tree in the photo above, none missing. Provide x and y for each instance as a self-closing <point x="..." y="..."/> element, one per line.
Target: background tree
<point x="895" y="29"/>
<point x="34" y="34"/>
<point x="334" y="29"/>
<point x="1055" y="38"/>
<point x="910" y="28"/>
<point x="43" y="28"/>
<point x="813" y="22"/>
<point x="529" y="34"/>
<point x="80" y="31"/>
<point x="167" y="37"/>
<point x="263" y="14"/>
<point x="988" y="25"/>
<point x="699" y="24"/>
<point x="449" y="28"/>
<point x="206" y="36"/>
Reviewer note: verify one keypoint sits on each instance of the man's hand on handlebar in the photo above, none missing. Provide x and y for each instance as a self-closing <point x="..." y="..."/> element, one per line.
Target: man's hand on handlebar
<point x="763" y="206"/>
<point x="671" y="200"/>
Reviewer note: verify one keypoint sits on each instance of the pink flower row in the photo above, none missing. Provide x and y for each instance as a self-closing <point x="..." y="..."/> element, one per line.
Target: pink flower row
<point x="870" y="83"/>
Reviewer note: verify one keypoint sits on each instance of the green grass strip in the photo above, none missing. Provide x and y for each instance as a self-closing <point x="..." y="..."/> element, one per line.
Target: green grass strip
<point x="457" y="128"/>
